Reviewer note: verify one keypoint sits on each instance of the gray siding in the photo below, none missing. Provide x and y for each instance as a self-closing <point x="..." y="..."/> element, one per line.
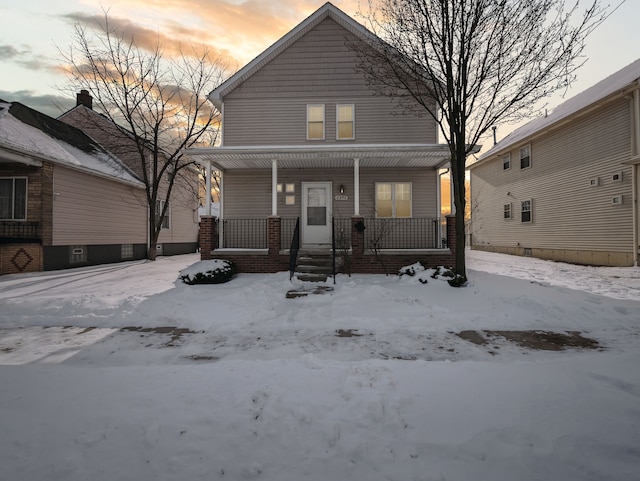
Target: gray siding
<point x="568" y="213"/>
<point x="270" y="107"/>
<point x="90" y="210"/>
<point x="247" y="193"/>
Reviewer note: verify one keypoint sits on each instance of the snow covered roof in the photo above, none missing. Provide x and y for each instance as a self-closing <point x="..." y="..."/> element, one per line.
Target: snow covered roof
<point x="29" y="136"/>
<point x="613" y="84"/>
<point x="328" y="10"/>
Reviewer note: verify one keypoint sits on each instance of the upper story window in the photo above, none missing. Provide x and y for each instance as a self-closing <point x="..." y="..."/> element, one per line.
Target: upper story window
<point x="345" y="114"/>
<point x="13" y="198"/>
<point x="315" y="122"/>
<point x="525" y="157"/>
<point x="393" y="199"/>
<point x="506" y="161"/>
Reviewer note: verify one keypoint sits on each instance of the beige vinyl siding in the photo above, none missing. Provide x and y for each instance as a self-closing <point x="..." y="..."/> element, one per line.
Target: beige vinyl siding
<point x="90" y="210"/>
<point x="184" y="213"/>
<point x="269" y="108"/>
<point x="247" y="193"/>
<point x="568" y="213"/>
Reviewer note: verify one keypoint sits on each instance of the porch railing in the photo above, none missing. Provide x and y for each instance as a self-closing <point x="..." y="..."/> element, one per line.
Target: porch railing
<point x="245" y="233"/>
<point x="388" y="233"/>
<point x="409" y="233"/>
<point x="11" y="230"/>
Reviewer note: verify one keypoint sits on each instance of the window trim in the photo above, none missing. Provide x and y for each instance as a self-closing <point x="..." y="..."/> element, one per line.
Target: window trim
<point x="324" y="117"/>
<point x="352" y="121"/>
<point x="506" y="161"/>
<point x="13" y="199"/>
<point x="529" y="211"/>
<point x="507" y="211"/>
<point x="167" y="217"/>
<point x="528" y="148"/>
<point x="393" y="199"/>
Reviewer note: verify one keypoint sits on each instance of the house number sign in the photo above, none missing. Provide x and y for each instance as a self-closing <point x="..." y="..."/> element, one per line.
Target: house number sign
<point x="342" y="197"/>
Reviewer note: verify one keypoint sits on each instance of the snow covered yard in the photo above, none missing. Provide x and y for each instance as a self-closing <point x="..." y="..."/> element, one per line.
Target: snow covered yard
<point x="369" y="382"/>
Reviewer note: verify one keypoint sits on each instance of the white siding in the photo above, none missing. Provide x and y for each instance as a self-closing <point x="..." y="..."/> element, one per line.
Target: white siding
<point x="568" y="213"/>
<point x="270" y="107"/>
<point x="90" y="210"/>
<point x="247" y="193"/>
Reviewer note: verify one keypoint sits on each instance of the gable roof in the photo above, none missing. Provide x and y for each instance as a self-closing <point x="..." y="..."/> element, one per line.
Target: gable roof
<point x="328" y="10"/>
<point x="29" y="136"/>
<point x="611" y="86"/>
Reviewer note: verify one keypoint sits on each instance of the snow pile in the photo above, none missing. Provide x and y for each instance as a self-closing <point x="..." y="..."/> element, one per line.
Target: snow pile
<point x="257" y="386"/>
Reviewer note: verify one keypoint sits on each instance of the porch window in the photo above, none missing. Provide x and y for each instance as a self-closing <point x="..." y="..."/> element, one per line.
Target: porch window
<point x="525" y="157"/>
<point x="393" y="199"/>
<point x="525" y="211"/>
<point x="315" y="122"/>
<point x="346" y="119"/>
<point x="166" y="222"/>
<point x="506" y="161"/>
<point x="13" y="198"/>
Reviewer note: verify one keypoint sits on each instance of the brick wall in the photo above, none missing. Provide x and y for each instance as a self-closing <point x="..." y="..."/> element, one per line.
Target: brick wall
<point x="17" y="258"/>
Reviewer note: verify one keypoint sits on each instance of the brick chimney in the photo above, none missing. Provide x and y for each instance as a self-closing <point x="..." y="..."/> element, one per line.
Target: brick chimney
<point x="84" y="98"/>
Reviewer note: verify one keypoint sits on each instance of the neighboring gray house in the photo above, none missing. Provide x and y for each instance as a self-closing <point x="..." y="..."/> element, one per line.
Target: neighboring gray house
<point x="304" y="136"/>
<point x="179" y="232"/>
<point x="565" y="187"/>
<point x="64" y="200"/>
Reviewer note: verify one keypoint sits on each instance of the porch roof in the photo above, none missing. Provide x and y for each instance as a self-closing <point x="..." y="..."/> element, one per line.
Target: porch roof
<point x="323" y="156"/>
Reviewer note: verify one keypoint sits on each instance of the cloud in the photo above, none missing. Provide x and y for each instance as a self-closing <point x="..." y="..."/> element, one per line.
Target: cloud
<point x="235" y="31"/>
<point x="8" y="52"/>
<point x="52" y="105"/>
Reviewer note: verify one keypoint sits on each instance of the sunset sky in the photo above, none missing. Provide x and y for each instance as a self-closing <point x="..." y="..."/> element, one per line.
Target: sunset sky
<point x="33" y="30"/>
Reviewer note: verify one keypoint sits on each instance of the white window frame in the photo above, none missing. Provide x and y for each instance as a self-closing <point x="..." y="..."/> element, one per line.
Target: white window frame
<point x="528" y="150"/>
<point x="507" y="211"/>
<point x="393" y="199"/>
<point x="506" y="161"/>
<point x="352" y="121"/>
<point x="13" y="198"/>
<point x="324" y="114"/>
<point x="530" y="211"/>
<point x="166" y="224"/>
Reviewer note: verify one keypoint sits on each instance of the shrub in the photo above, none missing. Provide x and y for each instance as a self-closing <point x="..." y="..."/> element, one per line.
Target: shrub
<point x="216" y="271"/>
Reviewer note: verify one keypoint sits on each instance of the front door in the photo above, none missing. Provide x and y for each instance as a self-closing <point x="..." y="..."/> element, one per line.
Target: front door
<point x="316" y="213"/>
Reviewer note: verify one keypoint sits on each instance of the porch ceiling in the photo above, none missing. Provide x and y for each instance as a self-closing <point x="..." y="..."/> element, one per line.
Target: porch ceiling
<point x="324" y="156"/>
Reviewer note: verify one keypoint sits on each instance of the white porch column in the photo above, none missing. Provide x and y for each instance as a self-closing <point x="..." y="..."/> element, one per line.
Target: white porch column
<point x="356" y="186"/>
<point x="221" y="213"/>
<point x="207" y="203"/>
<point x="451" y="198"/>
<point x="274" y="187"/>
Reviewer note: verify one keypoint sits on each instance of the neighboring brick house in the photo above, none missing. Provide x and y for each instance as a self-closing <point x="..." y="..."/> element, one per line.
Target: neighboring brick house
<point x="304" y="136"/>
<point x="179" y="233"/>
<point x="64" y="200"/>
<point x="565" y="186"/>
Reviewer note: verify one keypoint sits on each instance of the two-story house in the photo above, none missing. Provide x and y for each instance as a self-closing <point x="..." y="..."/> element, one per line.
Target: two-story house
<point x="179" y="229"/>
<point x="305" y="136"/>
<point x="565" y="186"/>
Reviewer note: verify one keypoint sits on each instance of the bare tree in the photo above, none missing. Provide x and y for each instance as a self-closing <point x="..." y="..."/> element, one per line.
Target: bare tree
<point x="159" y="104"/>
<point x="473" y="64"/>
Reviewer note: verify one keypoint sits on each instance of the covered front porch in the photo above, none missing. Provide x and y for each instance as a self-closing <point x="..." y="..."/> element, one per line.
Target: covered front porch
<point x="333" y="194"/>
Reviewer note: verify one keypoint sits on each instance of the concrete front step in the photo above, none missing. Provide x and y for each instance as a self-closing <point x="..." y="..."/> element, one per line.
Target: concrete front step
<point x="312" y="277"/>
